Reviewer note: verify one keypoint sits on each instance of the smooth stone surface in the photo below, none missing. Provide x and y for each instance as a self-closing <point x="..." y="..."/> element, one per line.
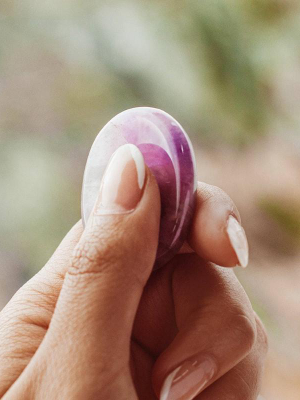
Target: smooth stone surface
<point x="168" y="153"/>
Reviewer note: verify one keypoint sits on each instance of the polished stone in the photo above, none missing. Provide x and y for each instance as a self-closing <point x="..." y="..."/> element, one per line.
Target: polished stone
<point x="168" y="153"/>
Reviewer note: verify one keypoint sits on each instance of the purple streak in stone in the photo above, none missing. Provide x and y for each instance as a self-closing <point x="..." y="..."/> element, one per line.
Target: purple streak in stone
<point x="168" y="153"/>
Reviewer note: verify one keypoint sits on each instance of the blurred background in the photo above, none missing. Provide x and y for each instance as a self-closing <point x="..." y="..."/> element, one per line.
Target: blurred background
<point x="228" y="70"/>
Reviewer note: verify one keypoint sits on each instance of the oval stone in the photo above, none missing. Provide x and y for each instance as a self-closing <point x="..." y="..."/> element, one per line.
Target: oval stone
<point x="168" y="153"/>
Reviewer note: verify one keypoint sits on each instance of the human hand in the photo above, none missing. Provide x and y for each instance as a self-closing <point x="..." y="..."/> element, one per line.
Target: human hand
<point x="94" y="324"/>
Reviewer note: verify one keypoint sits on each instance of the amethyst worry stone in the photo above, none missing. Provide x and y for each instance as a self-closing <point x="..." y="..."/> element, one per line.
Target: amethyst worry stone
<point x="168" y="153"/>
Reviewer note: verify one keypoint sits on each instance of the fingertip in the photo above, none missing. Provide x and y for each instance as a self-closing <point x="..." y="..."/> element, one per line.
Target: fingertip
<point x="216" y="233"/>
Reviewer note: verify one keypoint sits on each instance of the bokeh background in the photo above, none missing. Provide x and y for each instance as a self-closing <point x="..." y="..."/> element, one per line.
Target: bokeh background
<point x="228" y="70"/>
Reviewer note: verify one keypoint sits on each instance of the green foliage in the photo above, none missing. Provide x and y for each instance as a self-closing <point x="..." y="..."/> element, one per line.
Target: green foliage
<point x="227" y="47"/>
<point x="286" y="215"/>
<point x="270" y="11"/>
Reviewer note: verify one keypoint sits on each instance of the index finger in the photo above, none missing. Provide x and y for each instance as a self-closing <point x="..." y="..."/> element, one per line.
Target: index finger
<point x="216" y="233"/>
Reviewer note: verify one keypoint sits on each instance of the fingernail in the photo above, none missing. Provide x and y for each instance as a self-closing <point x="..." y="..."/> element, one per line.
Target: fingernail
<point x="186" y="381"/>
<point x="123" y="182"/>
<point x="238" y="240"/>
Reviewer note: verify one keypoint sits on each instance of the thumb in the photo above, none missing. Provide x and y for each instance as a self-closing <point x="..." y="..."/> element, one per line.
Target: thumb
<point x="111" y="263"/>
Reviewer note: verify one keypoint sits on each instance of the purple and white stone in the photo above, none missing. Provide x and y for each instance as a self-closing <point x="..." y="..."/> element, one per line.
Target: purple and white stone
<point x="168" y="153"/>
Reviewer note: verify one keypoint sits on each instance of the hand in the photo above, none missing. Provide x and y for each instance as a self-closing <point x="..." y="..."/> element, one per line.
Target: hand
<point x="94" y="324"/>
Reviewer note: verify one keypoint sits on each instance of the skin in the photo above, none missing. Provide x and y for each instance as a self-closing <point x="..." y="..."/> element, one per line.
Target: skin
<point x="94" y="324"/>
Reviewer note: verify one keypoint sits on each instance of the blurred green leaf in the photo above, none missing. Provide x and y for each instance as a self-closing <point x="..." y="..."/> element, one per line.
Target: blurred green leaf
<point x="236" y="84"/>
<point x="286" y="215"/>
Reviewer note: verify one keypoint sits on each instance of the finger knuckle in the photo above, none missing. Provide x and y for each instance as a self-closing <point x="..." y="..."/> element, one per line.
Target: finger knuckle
<point x="94" y="253"/>
<point x="244" y="330"/>
<point x="104" y="250"/>
<point x="262" y="335"/>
